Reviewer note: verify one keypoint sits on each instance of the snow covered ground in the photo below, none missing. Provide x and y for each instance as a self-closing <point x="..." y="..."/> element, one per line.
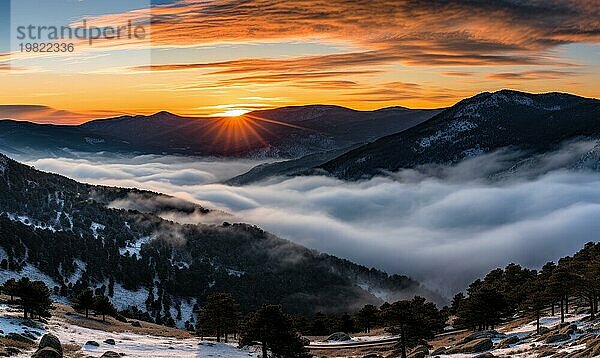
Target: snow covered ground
<point x="528" y="346"/>
<point x="131" y="344"/>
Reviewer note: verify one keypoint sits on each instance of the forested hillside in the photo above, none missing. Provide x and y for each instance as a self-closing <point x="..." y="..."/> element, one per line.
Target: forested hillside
<point x="65" y="231"/>
<point x="528" y="124"/>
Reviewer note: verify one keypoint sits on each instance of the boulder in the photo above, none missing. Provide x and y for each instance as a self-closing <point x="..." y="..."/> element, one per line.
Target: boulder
<point x="52" y="341"/>
<point x="338" y="337"/>
<point x="110" y="341"/>
<point x="47" y="352"/>
<point x="92" y="343"/>
<point x="544" y="330"/>
<point x="110" y="354"/>
<point x="438" y="351"/>
<point x="136" y="324"/>
<point x="568" y="329"/>
<point x="506" y="342"/>
<point x="474" y="346"/>
<point x="559" y="337"/>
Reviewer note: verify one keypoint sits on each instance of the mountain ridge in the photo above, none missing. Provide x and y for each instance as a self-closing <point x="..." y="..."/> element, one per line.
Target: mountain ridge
<point x="286" y="132"/>
<point x="480" y="124"/>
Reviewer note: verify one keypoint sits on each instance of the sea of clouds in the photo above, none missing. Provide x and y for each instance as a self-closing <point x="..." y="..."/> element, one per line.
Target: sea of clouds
<point x="443" y="226"/>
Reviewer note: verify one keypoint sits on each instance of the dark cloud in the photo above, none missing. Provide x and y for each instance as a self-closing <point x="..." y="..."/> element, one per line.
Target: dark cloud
<point x="533" y="75"/>
<point x="40" y="114"/>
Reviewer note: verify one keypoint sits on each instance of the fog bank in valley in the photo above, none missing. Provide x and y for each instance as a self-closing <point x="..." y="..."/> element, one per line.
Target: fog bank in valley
<point x="443" y="226"/>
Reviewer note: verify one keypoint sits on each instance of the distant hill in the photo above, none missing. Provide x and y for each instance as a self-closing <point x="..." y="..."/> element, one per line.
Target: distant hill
<point x="73" y="235"/>
<point x="288" y="132"/>
<point x="531" y="123"/>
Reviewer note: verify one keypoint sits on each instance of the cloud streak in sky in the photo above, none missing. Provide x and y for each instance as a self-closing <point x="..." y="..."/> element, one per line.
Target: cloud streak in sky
<point x="416" y="32"/>
<point x="444" y="227"/>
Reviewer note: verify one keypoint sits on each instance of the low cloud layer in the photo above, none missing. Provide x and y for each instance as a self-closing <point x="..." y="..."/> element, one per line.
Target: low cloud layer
<point x="445" y="230"/>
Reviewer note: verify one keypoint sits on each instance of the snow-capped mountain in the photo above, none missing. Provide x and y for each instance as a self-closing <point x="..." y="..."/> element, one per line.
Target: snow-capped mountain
<point x="530" y="123"/>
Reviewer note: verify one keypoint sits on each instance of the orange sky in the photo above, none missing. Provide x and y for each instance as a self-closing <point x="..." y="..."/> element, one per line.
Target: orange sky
<point x="215" y="57"/>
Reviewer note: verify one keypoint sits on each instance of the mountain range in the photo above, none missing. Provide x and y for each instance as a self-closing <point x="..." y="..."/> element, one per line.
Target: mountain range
<point x="528" y="125"/>
<point x="73" y="234"/>
<point x="287" y="132"/>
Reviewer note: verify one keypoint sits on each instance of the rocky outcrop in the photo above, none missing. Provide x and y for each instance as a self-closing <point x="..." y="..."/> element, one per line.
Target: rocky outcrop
<point x="49" y="347"/>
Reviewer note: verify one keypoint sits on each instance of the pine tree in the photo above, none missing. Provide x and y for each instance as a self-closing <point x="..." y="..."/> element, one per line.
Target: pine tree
<point x="367" y="317"/>
<point x="413" y="320"/>
<point x="35" y="298"/>
<point x="220" y="314"/>
<point x="10" y="288"/>
<point x="274" y="331"/>
<point x="103" y="306"/>
<point x="457" y="301"/>
<point x="346" y="324"/>
<point x="536" y="298"/>
<point x="84" y="301"/>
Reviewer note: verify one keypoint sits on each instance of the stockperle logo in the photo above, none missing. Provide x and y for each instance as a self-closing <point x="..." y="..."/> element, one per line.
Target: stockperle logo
<point x="77" y="35"/>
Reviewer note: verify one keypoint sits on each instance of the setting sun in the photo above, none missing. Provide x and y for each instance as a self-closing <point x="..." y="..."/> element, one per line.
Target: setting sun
<point x="233" y="113"/>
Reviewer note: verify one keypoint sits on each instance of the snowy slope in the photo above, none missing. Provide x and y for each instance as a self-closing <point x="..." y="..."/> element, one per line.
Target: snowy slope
<point x="128" y="343"/>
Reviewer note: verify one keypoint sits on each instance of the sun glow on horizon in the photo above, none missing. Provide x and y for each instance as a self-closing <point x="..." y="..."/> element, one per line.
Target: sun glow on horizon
<point x="232" y="113"/>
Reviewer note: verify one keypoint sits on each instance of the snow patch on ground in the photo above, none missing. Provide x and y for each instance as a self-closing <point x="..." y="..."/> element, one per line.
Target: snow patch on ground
<point x="187" y="312"/>
<point x="34" y="274"/>
<point x="123" y="298"/>
<point x="26" y="220"/>
<point x="95" y="227"/>
<point x="12" y="322"/>
<point x="235" y="273"/>
<point x="448" y="134"/>
<point x="549" y="322"/>
<point x="473" y="110"/>
<point x="135" y="247"/>
<point x="80" y="268"/>
<point x="382" y="294"/>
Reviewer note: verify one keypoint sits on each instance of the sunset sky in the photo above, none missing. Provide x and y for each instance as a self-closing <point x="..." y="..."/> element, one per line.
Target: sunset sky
<point x="225" y="57"/>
